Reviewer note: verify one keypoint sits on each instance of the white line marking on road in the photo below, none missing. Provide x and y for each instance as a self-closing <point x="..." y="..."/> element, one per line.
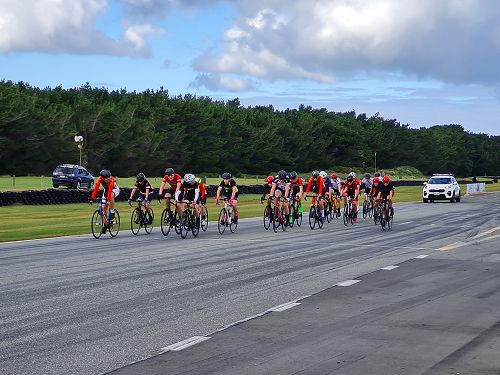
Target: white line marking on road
<point x="347" y="283"/>
<point x="421" y="257"/>
<point x="389" y="268"/>
<point x="406" y="222"/>
<point x="485" y="233"/>
<point x="284" y="306"/>
<point x="184" y="344"/>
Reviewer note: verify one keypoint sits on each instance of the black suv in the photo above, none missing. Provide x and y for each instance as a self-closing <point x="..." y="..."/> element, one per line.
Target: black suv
<point x="72" y="176"/>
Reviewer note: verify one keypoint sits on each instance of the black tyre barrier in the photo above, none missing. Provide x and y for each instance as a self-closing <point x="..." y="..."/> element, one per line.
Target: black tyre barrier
<point x="65" y="196"/>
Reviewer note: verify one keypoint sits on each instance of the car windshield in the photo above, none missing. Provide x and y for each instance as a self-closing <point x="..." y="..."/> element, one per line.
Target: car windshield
<point x="64" y="170"/>
<point x="440" y="180"/>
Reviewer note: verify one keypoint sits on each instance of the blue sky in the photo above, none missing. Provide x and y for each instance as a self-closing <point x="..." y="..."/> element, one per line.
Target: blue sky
<point x="421" y="62"/>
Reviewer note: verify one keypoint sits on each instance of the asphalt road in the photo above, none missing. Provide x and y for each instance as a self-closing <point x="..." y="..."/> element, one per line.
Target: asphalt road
<point x="83" y="306"/>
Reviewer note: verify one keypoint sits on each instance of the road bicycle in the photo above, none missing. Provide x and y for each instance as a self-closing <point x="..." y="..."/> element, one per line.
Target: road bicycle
<point x="296" y="212"/>
<point x="204" y="219"/>
<point x="141" y="218"/>
<point x="279" y="215"/>
<point x="226" y="218"/>
<point x="314" y="212"/>
<point x="377" y="213"/>
<point x="335" y="212"/>
<point x="368" y="207"/>
<point x="101" y="222"/>
<point x="169" y="219"/>
<point x="348" y="212"/>
<point x="189" y="221"/>
<point x="387" y="216"/>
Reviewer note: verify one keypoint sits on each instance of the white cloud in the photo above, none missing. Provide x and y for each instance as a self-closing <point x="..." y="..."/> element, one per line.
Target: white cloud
<point x="221" y="82"/>
<point x="450" y="40"/>
<point x="59" y="26"/>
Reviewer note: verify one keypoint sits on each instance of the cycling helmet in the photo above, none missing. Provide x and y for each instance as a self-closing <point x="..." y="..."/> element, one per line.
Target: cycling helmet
<point x="368" y="176"/>
<point x="315" y="174"/>
<point x="189" y="178"/>
<point x="323" y="174"/>
<point x="377" y="174"/>
<point x="334" y="176"/>
<point x="141" y="177"/>
<point x="169" y="171"/>
<point x="352" y="174"/>
<point x="105" y="173"/>
<point x="350" y="178"/>
<point x="269" y="179"/>
<point x="281" y="174"/>
<point x="226" y="175"/>
<point x="376" y="180"/>
<point x="198" y="180"/>
<point x="293" y="175"/>
<point x="386" y="179"/>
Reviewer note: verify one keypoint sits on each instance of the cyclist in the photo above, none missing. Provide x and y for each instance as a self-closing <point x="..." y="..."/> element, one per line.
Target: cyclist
<point x="328" y="187"/>
<point x="146" y="192"/>
<point x="296" y="190"/>
<point x="336" y="186"/>
<point x="174" y="180"/>
<point x="366" y="185"/>
<point x="110" y="192"/>
<point x="267" y="188"/>
<point x="316" y="184"/>
<point x="189" y="193"/>
<point x="387" y="191"/>
<point x="374" y="191"/>
<point x="351" y="189"/>
<point x="230" y="191"/>
<point x="281" y="188"/>
<point x="202" y="200"/>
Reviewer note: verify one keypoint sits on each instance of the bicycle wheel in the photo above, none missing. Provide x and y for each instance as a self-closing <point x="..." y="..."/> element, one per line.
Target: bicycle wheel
<point x="370" y="210"/>
<point x="221" y="224"/>
<point x="149" y="227"/>
<point x="328" y="212"/>
<point x="96" y="224"/>
<point x="346" y="215"/>
<point x="319" y="217"/>
<point x="234" y="224"/>
<point x="284" y="224"/>
<point x="184" y="224"/>
<point x="390" y="218"/>
<point x="365" y="209"/>
<point x="276" y="219"/>
<point x="268" y="217"/>
<point x="292" y="215"/>
<point x="114" y="226"/>
<point x="177" y="223"/>
<point x="165" y="222"/>
<point x="299" y="219"/>
<point x="195" y="225"/>
<point x="135" y="221"/>
<point x="312" y="217"/>
<point x="204" y="221"/>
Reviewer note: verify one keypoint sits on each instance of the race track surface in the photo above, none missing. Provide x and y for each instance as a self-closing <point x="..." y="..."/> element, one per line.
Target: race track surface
<point x="76" y="305"/>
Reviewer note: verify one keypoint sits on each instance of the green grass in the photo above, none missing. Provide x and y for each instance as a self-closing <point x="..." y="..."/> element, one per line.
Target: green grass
<point x="27" y="222"/>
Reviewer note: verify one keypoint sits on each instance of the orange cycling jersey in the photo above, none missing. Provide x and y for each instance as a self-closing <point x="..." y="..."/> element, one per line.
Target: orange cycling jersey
<point x="203" y="190"/>
<point x="108" y="187"/>
<point x="319" y="184"/>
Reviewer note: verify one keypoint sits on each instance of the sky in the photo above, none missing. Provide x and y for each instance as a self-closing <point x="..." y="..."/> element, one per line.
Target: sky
<point x="421" y="62"/>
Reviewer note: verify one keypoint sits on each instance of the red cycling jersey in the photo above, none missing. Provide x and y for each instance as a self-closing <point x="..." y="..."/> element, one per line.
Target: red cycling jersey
<point x="353" y="185"/>
<point x="319" y="183"/>
<point x="297" y="183"/>
<point x="203" y="190"/>
<point x="108" y="187"/>
<point x="173" y="181"/>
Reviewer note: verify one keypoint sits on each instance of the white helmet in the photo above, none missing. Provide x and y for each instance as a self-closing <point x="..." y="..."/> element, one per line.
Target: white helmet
<point x="323" y="174"/>
<point x="352" y="174"/>
<point x="189" y="178"/>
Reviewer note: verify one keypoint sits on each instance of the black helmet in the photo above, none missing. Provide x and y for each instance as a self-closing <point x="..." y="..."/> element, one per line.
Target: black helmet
<point x="350" y="177"/>
<point x="315" y="173"/>
<point x="368" y="176"/>
<point x="169" y="171"/>
<point x="293" y="175"/>
<point x="226" y="175"/>
<point x="141" y="177"/>
<point x="105" y="173"/>
<point x="282" y="174"/>
<point x="377" y="174"/>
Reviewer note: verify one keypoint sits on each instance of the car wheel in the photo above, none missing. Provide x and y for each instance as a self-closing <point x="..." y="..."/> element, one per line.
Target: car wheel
<point x="452" y="200"/>
<point x="458" y="198"/>
<point x="431" y="200"/>
<point x="425" y="200"/>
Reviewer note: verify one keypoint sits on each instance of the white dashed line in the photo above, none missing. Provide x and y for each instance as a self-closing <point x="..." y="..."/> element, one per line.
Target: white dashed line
<point x="421" y="257"/>
<point x="406" y="222"/>
<point x="184" y="344"/>
<point x="284" y="307"/>
<point x="347" y="283"/>
<point x="389" y="268"/>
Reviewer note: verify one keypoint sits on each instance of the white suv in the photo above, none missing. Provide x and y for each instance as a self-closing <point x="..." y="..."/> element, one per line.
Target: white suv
<point x="441" y="187"/>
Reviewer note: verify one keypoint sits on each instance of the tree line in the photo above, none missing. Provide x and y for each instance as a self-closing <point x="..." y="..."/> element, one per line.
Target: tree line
<point x="147" y="131"/>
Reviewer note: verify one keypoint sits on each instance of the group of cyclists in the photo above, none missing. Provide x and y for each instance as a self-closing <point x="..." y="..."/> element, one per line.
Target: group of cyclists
<point x="285" y="188"/>
<point x="328" y="190"/>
